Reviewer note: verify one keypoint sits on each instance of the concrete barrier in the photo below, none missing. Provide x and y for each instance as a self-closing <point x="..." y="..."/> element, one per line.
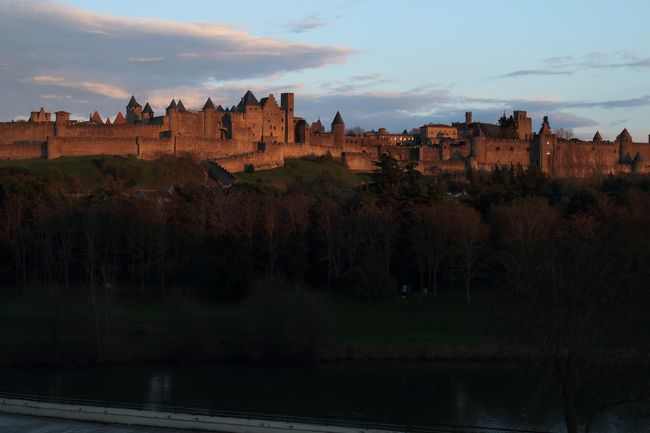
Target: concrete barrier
<point x="169" y="419"/>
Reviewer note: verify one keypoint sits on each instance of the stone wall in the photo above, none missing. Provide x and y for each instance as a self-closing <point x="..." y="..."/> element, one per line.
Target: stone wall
<point x="84" y="146"/>
<point x="91" y="130"/>
<point x="492" y="153"/>
<point x="272" y="158"/>
<point x="358" y="161"/>
<point x="583" y="158"/>
<point x="11" y="132"/>
<point x="22" y="150"/>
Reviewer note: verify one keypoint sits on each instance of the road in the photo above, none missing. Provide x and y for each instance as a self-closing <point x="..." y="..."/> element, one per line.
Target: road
<point x="30" y="424"/>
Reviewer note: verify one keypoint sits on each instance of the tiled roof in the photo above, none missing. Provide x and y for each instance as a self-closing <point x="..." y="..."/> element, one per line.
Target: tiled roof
<point x="133" y="103"/>
<point x="625" y="136"/>
<point x="119" y="119"/>
<point x="209" y="105"/>
<point x="249" y="99"/>
<point x="338" y="120"/>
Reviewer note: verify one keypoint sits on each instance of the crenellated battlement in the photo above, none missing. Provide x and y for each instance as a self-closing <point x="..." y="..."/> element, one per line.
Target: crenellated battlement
<point x="262" y="133"/>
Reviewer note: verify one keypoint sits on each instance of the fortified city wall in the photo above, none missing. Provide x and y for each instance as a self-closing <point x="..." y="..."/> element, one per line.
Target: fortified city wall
<point x="263" y="133"/>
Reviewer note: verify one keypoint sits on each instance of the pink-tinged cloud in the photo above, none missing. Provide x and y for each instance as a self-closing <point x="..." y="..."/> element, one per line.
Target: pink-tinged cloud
<point x="56" y="46"/>
<point x="96" y="88"/>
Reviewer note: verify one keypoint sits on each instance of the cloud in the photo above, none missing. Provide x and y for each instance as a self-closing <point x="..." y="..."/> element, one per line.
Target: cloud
<point x="567" y="65"/>
<point x="367" y="77"/>
<point x="88" y="86"/>
<point x="94" y="54"/>
<point x="569" y="120"/>
<point x="303" y="25"/>
<point x="146" y="59"/>
<point x="355" y="83"/>
<point x="528" y="72"/>
<point x="599" y="60"/>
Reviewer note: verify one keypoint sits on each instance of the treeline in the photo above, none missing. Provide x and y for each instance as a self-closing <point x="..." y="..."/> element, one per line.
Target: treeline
<point x="511" y="227"/>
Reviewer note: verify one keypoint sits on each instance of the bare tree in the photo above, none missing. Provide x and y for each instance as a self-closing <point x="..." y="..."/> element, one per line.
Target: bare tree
<point x="564" y="133"/>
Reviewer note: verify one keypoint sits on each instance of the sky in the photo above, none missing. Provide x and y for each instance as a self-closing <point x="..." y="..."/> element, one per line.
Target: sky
<point x="393" y="64"/>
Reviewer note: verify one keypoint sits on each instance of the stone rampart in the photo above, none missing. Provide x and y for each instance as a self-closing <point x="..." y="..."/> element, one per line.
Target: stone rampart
<point x="22" y="150"/>
<point x="84" y="146"/>
<point x="11" y="132"/>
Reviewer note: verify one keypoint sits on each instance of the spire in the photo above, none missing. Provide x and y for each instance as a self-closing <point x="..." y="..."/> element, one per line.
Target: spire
<point x="108" y="121"/>
<point x="220" y="109"/>
<point x="172" y="105"/>
<point x="597" y="136"/>
<point x="133" y="103"/>
<point x="147" y="109"/>
<point x="249" y="99"/>
<point x="209" y="105"/>
<point x="546" y="127"/>
<point x="625" y="136"/>
<point x="96" y="118"/>
<point x="119" y="119"/>
<point x="181" y="107"/>
<point x="233" y="108"/>
<point x="338" y="120"/>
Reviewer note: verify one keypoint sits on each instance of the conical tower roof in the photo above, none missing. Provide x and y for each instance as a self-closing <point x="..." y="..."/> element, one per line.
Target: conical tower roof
<point x="95" y="117"/>
<point x="133" y="103"/>
<point x="338" y="120"/>
<point x="625" y="136"/>
<point x="597" y="136"/>
<point x="233" y="108"/>
<point x="220" y="109"/>
<point x="209" y="105"/>
<point x="108" y="121"/>
<point x="181" y="107"/>
<point x="147" y="108"/>
<point x="249" y="99"/>
<point x="119" y="119"/>
<point x="172" y="105"/>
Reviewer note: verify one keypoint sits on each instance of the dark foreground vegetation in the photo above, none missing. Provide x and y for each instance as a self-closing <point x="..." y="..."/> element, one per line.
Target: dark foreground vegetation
<point x="308" y="262"/>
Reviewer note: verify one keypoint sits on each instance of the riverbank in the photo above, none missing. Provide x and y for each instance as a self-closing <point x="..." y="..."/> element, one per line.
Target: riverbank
<point x="147" y="328"/>
<point x="141" y="327"/>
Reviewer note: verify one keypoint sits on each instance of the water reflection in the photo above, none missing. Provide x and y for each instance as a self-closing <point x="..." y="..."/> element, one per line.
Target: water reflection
<point x="500" y="395"/>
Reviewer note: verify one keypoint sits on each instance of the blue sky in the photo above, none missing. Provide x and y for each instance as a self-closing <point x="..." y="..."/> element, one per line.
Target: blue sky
<point x="396" y="64"/>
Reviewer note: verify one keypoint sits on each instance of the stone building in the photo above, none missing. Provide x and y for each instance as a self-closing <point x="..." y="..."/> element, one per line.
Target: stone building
<point x="262" y="133"/>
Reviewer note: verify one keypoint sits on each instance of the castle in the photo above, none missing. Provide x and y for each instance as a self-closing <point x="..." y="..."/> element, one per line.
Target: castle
<point x="261" y="134"/>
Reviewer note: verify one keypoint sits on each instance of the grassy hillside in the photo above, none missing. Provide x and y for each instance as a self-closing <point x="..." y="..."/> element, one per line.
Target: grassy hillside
<point x="84" y="174"/>
<point x="307" y="170"/>
<point x="87" y="173"/>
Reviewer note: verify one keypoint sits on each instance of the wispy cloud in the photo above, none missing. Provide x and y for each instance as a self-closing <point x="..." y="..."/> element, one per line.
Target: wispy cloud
<point x="355" y="83"/>
<point x="146" y="59"/>
<point x="366" y="77"/>
<point x="93" y="87"/>
<point x="601" y="60"/>
<point x="567" y="65"/>
<point x="618" y="122"/>
<point x="528" y="72"/>
<point x="303" y="25"/>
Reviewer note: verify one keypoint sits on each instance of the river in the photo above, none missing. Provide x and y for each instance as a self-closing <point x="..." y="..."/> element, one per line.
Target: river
<point x="496" y="395"/>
